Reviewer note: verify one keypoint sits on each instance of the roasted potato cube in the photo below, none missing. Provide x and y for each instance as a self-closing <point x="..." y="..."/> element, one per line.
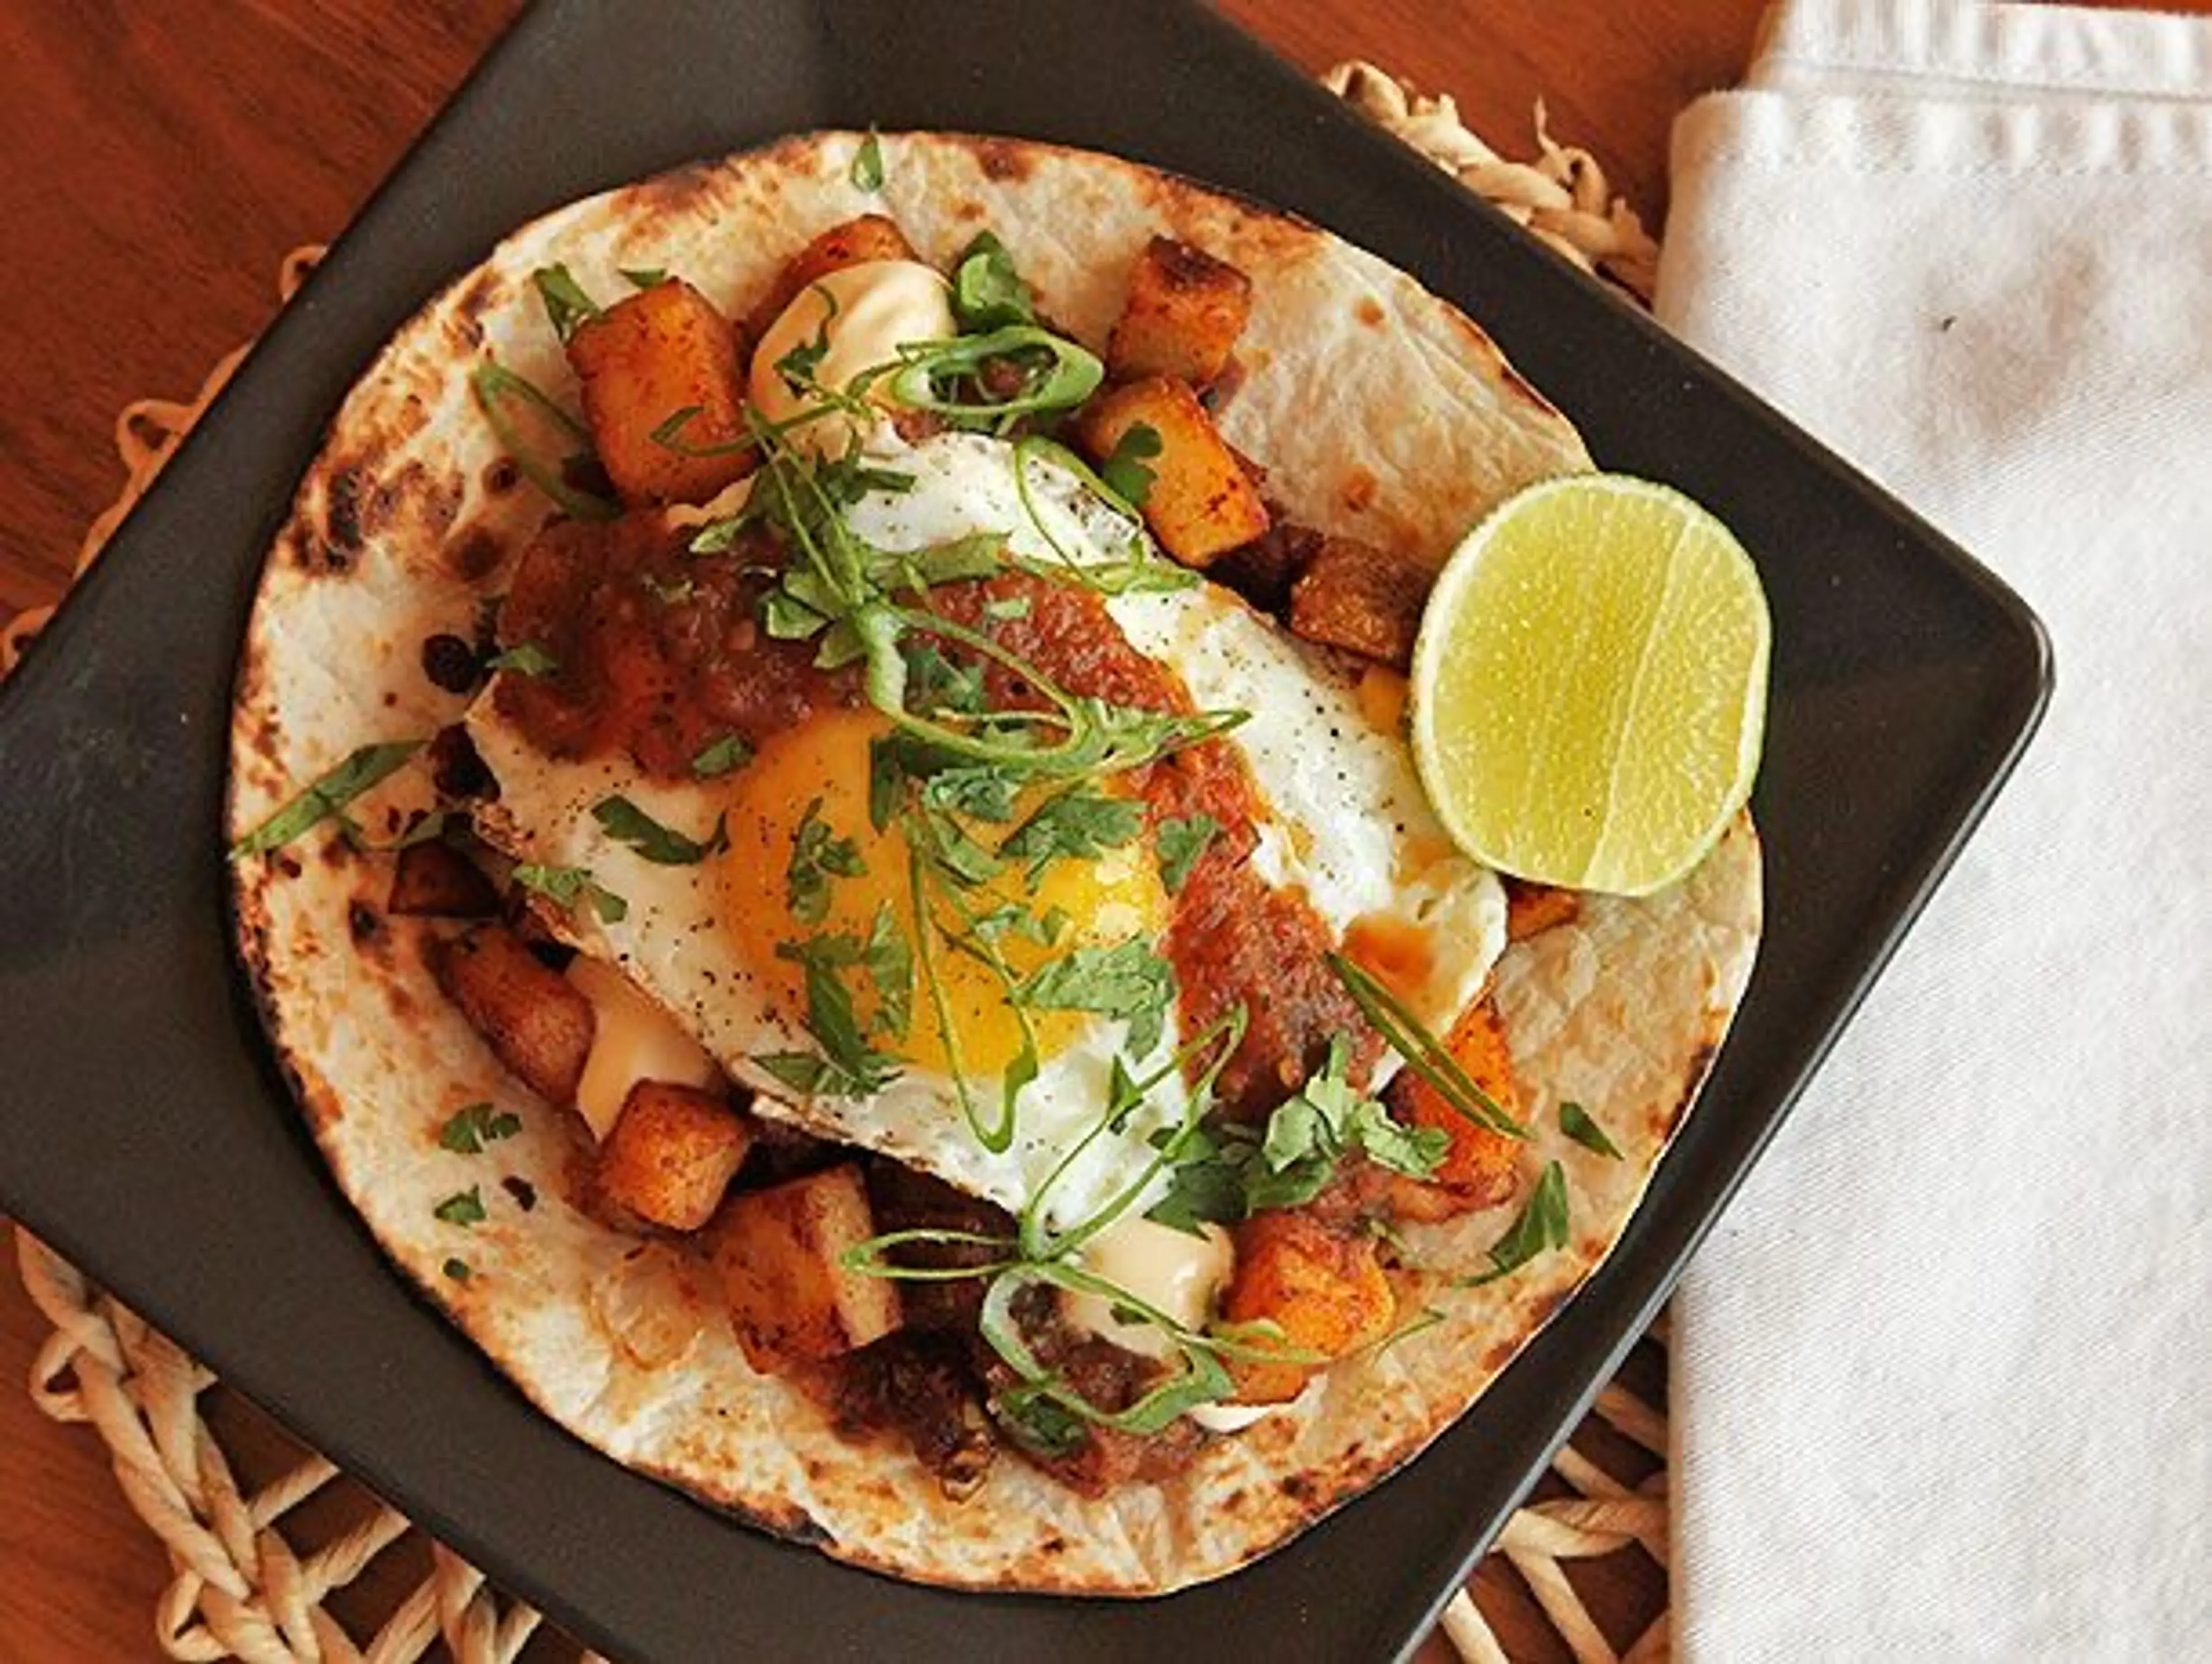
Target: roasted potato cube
<point x="1183" y="315"/>
<point x="649" y="356"/>
<point x="1263" y="570"/>
<point x="435" y="881"/>
<point x="1530" y="907"/>
<point x="776" y="1251"/>
<point x="855" y="242"/>
<point x="1326" y="1289"/>
<point x="1368" y="600"/>
<point x="533" y="1019"/>
<point x="1479" y="1169"/>
<point x="1202" y="503"/>
<point x="673" y="1152"/>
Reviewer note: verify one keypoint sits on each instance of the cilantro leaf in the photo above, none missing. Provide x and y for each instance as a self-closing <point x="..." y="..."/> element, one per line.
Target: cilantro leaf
<point x="424" y="825"/>
<point x="1127" y="980"/>
<point x="625" y="821"/>
<point x="868" y="164"/>
<point x="848" y="1066"/>
<point x="978" y="555"/>
<point x="722" y="756"/>
<point x="807" y="1071"/>
<point x="1013" y="917"/>
<point x="1181" y="843"/>
<point x="644" y="276"/>
<point x="1200" y="1192"/>
<point x="1236" y="1171"/>
<point x="473" y="1125"/>
<point x="463" y="1208"/>
<point x="674" y="594"/>
<point x="1416" y="1151"/>
<point x="1576" y="1122"/>
<point x="890" y="964"/>
<point x="787" y="618"/>
<point x="1125" y="473"/>
<point x="567" y="885"/>
<point x="940" y="839"/>
<point x="935" y="683"/>
<point x="327" y="795"/>
<point x="523" y="658"/>
<point x="816" y="853"/>
<point x="982" y="790"/>
<point x="568" y="308"/>
<point x="1078" y="824"/>
<point x="1541" y="1226"/>
<point x="988" y="292"/>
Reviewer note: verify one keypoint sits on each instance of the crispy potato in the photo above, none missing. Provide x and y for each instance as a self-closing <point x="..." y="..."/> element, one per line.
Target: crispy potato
<point x="776" y="1251"/>
<point x="1479" y="1169"/>
<point x="1183" y="315"/>
<point x="673" y="1152"/>
<point x="649" y="356"/>
<point x="1263" y="570"/>
<point x="533" y="1019"/>
<point x="1325" y="1288"/>
<point x="1530" y="907"/>
<point x="1355" y="596"/>
<point x="855" y="242"/>
<point x="434" y="880"/>
<point x="1202" y="504"/>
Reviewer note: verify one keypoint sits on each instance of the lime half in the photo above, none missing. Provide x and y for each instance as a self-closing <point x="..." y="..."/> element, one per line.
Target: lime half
<point x="1589" y="686"/>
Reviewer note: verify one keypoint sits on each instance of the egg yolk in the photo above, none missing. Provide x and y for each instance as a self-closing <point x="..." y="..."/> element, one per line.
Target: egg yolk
<point x="819" y="770"/>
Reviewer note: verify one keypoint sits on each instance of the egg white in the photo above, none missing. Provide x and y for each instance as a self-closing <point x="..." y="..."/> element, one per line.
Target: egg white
<point x="1344" y="822"/>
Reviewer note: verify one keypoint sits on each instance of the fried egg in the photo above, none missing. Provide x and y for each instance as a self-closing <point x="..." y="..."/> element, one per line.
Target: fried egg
<point x="1340" y="821"/>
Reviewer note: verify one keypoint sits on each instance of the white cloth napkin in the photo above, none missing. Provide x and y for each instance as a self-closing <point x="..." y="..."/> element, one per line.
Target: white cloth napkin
<point x="1943" y="1374"/>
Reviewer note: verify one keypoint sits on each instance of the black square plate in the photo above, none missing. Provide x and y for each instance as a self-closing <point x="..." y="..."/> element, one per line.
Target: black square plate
<point x="149" y="1139"/>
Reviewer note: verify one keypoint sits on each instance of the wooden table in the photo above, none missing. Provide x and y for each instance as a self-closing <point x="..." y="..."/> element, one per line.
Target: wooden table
<point x="161" y="155"/>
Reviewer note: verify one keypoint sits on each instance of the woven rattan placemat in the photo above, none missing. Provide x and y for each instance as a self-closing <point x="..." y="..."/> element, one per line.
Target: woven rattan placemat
<point x="264" y="1567"/>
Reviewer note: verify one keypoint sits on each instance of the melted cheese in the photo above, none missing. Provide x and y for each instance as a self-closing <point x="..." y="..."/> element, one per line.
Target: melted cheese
<point x="1166" y="1268"/>
<point x="632" y="1040"/>
<point x="864" y="313"/>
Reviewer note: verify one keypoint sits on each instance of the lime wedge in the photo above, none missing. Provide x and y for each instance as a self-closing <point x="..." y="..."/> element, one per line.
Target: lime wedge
<point x="1590" y="685"/>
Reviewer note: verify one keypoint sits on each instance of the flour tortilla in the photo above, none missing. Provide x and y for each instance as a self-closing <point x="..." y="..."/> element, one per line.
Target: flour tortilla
<point x="1379" y="412"/>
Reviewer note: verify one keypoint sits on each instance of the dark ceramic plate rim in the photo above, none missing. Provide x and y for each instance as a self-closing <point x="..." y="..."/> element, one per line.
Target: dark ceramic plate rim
<point x="125" y="1012"/>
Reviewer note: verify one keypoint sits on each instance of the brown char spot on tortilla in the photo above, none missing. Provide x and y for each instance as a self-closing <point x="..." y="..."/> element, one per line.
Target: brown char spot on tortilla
<point x="1003" y="160"/>
<point x="502" y="477"/>
<point x="1359" y="488"/>
<point x="1508" y="378"/>
<point x="1669" y="1116"/>
<point x="1368" y="311"/>
<point x="678" y="192"/>
<point x="474" y="555"/>
<point x="334" y="551"/>
<point x="968" y="210"/>
<point x="364" y="920"/>
<point x="1209" y="218"/>
<point x="1543" y="1305"/>
<point x="477" y="295"/>
<point x="434" y="496"/>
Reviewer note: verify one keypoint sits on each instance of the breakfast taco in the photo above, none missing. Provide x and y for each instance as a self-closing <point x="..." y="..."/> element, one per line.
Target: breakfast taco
<point x="824" y="828"/>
